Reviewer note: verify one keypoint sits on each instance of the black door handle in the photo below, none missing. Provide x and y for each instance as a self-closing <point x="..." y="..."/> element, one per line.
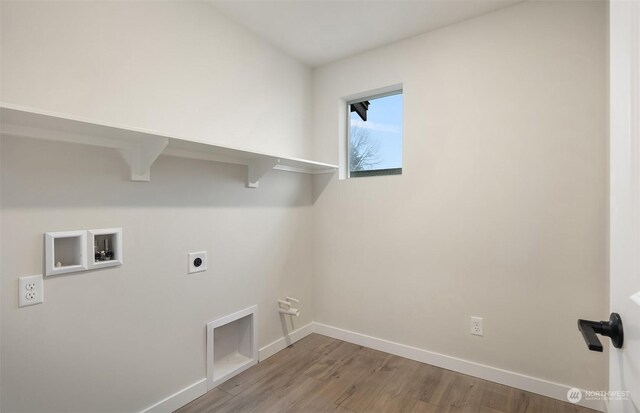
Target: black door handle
<point x="611" y="329"/>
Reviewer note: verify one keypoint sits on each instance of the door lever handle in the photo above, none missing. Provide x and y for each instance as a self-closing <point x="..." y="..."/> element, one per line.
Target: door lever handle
<point x="612" y="329"/>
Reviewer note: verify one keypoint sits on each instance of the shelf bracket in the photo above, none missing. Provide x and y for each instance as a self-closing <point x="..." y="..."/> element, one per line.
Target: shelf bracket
<point x="142" y="155"/>
<point x="257" y="168"/>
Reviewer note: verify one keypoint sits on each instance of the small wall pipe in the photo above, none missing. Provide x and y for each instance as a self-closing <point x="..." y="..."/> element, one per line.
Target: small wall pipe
<point x="285" y="304"/>
<point x="291" y="311"/>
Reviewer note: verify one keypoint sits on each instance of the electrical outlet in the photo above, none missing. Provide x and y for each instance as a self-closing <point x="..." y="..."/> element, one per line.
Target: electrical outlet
<point x="197" y="261"/>
<point x="477" y="327"/>
<point x="30" y="290"/>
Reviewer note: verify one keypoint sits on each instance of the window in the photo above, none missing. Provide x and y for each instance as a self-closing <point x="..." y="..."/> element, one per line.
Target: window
<point x="375" y="135"/>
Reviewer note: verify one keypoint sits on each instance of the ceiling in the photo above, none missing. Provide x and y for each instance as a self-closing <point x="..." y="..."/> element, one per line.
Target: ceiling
<point x="318" y="32"/>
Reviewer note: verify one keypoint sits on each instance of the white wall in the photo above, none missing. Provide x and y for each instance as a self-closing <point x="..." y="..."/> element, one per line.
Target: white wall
<point x="177" y="67"/>
<point x="122" y="339"/>
<point x="501" y="211"/>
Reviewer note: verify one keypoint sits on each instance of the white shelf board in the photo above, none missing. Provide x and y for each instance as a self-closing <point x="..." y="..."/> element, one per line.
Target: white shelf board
<point x="144" y="146"/>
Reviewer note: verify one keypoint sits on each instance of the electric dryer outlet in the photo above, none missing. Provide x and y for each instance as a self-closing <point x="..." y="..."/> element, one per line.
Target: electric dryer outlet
<point x="197" y="261"/>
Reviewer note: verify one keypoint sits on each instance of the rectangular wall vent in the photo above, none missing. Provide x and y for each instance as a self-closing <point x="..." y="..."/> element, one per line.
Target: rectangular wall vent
<point x="231" y="346"/>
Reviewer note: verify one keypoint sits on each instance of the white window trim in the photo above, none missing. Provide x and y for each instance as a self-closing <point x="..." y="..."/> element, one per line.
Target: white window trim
<point x="345" y="130"/>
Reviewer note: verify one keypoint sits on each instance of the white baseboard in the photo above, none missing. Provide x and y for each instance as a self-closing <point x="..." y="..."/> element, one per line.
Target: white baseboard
<point x="508" y="378"/>
<point x="179" y="399"/>
<point x="282" y="343"/>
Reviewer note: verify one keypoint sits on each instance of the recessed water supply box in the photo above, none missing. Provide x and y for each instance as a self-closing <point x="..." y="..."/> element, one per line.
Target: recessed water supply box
<point x="65" y="252"/>
<point x="231" y="346"/>
<point x="105" y="247"/>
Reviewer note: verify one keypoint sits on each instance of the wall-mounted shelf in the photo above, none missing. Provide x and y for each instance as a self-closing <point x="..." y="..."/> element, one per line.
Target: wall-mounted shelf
<point x="143" y="147"/>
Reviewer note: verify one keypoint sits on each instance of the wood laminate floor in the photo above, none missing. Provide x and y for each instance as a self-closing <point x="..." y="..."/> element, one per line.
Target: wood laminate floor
<point x="321" y="374"/>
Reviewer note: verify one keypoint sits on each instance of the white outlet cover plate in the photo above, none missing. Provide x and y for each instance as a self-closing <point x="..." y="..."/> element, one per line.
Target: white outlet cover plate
<point x="477" y="326"/>
<point x="30" y="290"/>
<point x="192" y="257"/>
